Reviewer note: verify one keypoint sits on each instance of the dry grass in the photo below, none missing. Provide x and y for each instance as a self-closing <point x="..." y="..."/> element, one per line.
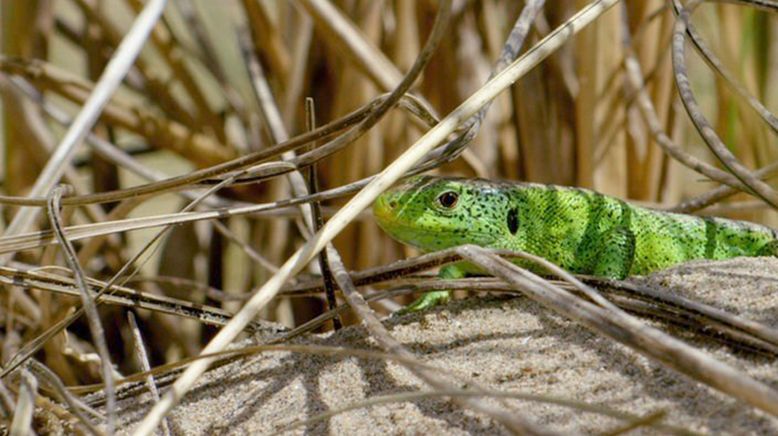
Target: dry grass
<point x="191" y="167"/>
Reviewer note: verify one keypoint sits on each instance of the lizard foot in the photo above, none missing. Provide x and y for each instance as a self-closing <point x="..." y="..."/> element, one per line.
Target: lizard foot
<point x="426" y="301"/>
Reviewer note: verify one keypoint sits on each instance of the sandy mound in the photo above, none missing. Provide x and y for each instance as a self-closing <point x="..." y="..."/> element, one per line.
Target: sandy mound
<point x="508" y="344"/>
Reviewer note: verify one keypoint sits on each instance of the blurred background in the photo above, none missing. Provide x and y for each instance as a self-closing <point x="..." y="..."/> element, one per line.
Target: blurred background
<point x="189" y="103"/>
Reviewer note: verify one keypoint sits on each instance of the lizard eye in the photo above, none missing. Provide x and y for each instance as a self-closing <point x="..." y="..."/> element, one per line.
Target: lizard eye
<point x="448" y="199"/>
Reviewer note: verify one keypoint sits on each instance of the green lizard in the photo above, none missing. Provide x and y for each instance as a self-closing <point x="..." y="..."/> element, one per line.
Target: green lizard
<point x="580" y="230"/>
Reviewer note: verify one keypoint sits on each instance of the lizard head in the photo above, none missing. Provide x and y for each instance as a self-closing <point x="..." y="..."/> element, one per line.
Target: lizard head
<point x="434" y="213"/>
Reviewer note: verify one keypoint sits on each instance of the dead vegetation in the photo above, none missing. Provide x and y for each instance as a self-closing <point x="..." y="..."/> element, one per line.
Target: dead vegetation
<point x="161" y="203"/>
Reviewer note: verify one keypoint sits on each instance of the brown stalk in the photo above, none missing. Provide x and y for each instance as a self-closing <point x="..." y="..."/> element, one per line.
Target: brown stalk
<point x="89" y="305"/>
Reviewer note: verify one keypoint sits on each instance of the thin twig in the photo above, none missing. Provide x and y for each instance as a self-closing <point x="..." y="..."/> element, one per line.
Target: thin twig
<point x="143" y="359"/>
<point x="88" y="304"/>
<point x="25" y="406"/>
<point x="318" y="221"/>
<point x="6" y="401"/>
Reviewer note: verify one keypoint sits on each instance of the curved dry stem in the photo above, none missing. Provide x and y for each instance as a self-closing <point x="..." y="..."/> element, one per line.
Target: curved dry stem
<point x="646" y="107"/>
<point x="713" y="61"/>
<point x="721" y="193"/>
<point x="88" y="303"/>
<point x="714" y="143"/>
<point x="510" y="52"/>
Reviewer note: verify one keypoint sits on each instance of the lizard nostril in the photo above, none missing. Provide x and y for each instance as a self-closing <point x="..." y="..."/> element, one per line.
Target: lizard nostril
<point x="392" y="204"/>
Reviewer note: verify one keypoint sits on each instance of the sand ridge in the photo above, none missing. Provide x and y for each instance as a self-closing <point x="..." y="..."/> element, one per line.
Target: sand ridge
<point x="508" y="344"/>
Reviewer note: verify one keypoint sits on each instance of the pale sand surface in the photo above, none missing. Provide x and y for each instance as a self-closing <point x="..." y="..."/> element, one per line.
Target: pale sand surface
<point x="506" y="344"/>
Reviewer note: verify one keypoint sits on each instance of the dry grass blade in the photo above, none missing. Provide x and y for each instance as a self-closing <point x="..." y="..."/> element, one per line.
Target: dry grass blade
<point x="6" y="401"/>
<point x="25" y="241"/>
<point x="233" y="354"/>
<point x="104" y="148"/>
<point x="637" y="83"/>
<point x="64" y="240"/>
<point x="665" y="296"/>
<point x="25" y="406"/>
<point x="644" y="421"/>
<point x="272" y="118"/>
<point x="510" y="51"/>
<point x="164" y="40"/>
<point x="165" y="133"/>
<point x="224" y="169"/>
<point x="385" y="179"/>
<point x="722" y="192"/>
<point x="318" y="222"/>
<point x="206" y="46"/>
<point x="142" y="355"/>
<point x="87" y="302"/>
<point x="118" y="295"/>
<point x="77" y="232"/>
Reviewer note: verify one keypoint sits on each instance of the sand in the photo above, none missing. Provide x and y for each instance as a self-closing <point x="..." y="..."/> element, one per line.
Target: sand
<point x="507" y="344"/>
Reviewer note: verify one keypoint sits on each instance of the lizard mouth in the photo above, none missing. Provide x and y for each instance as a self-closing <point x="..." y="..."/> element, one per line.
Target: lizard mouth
<point x="383" y="210"/>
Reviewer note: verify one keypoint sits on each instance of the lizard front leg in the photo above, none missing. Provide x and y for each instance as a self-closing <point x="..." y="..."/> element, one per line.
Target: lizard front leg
<point x="435" y="298"/>
<point x="616" y="254"/>
<point x="769" y="249"/>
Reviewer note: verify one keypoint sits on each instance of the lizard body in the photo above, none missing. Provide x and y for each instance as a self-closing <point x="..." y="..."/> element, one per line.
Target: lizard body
<point x="580" y="230"/>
